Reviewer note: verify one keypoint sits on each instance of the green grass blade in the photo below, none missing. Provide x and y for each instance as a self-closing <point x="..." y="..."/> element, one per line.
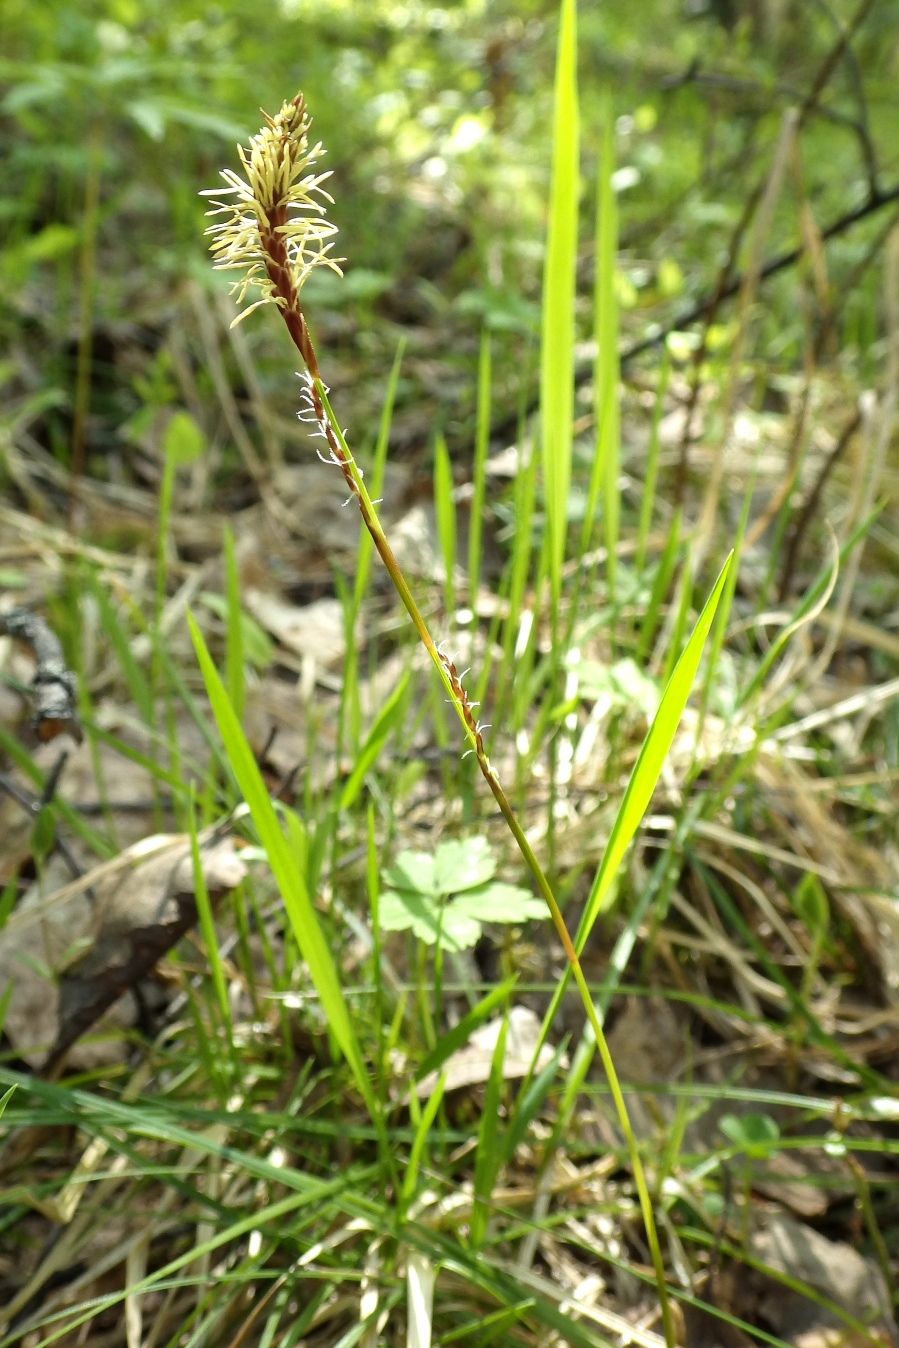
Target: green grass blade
<point x="557" y="347"/>
<point x="649" y="765"/>
<point x="814" y="599"/>
<point x="489" y="1149"/>
<point x="530" y="1102"/>
<point x="479" y="477"/>
<point x="138" y="685"/>
<point x="606" y="373"/>
<point x="429" y="1114"/>
<point x="234" y="654"/>
<point x="291" y="882"/>
<point x="383" y="724"/>
<point x="366" y="546"/>
<point x="676" y="639"/>
<point x="445" y="510"/>
<point x="660" y="586"/>
<point x="207" y="928"/>
<point x="460" y="1034"/>
<point x="648" y="498"/>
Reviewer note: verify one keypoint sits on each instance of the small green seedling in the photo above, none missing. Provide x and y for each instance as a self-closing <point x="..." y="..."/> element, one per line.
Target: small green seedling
<point x="445" y="898"/>
<point x="756" y="1134"/>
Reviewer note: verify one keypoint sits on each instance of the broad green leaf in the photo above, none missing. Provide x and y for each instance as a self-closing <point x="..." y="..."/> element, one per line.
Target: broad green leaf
<point x="462" y="864"/>
<point x="757" y="1134"/>
<point x="402" y="910"/>
<point x="500" y="902"/>
<point x="413" y="870"/>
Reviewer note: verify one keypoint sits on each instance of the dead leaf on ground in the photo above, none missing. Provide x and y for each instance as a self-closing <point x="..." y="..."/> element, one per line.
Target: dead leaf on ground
<point x="470" y="1065"/>
<point x="831" y="1267"/>
<point x="76" y="962"/>
<point x="314" y="631"/>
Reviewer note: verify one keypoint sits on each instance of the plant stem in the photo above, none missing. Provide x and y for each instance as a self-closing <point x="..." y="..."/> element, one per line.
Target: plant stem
<point x="319" y="412"/>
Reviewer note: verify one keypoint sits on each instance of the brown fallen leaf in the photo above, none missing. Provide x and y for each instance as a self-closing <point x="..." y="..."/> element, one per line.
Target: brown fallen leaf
<point x="141" y="916"/>
<point x="831" y="1267"/>
<point x="471" y="1064"/>
<point x="71" y="961"/>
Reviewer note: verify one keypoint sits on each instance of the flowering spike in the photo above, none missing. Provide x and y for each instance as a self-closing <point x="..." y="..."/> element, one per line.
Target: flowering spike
<point x="275" y="229"/>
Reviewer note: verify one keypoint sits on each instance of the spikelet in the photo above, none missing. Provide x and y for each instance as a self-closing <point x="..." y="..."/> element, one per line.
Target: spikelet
<point x="274" y="229"/>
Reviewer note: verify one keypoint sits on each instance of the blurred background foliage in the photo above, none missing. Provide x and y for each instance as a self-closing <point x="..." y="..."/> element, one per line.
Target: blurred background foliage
<point x="436" y="121"/>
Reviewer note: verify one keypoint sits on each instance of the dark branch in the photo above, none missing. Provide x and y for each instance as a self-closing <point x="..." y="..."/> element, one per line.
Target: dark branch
<point x="53" y="687"/>
<point x="779" y="263"/>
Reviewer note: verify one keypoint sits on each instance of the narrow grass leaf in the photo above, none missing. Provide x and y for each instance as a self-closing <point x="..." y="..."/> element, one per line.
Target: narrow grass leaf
<point x="659" y="589"/>
<point x="490" y="1327"/>
<point x="138" y="685"/>
<point x="428" y="1115"/>
<point x="8" y="900"/>
<point x="387" y="717"/>
<point x="676" y="639"/>
<point x="235" y="677"/>
<point x="813" y="601"/>
<point x="460" y="1034"/>
<point x="557" y="348"/>
<point x="420" y="1278"/>
<point x="366" y="546"/>
<point x="606" y="374"/>
<point x="529" y="1104"/>
<point x="207" y="927"/>
<point x="489" y="1152"/>
<point x="479" y="476"/>
<point x="445" y="510"/>
<point x="291" y="882"/>
<point x="647" y="500"/>
<point x="652" y="755"/>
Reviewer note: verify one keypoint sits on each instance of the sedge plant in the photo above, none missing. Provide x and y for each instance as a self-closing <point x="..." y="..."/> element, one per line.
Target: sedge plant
<point x="271" y="227"/>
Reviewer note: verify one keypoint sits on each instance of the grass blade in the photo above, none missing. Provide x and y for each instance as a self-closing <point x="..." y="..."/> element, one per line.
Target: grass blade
<point x="287" y="873"/>
<point x="428" y="1116"/>
<point x="557" y="350"/>
<point x="234" y="653"/>
<point x="489" y="1149"/>
<point x="606" y="375"/>
<point x="460" y="1034"/>
<point x="649" y="765"/>
<point x="445" y="509"/>
<point x="479" y="477"/>
<point x="647" y="501"/>
<point x="377" y="738"/>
